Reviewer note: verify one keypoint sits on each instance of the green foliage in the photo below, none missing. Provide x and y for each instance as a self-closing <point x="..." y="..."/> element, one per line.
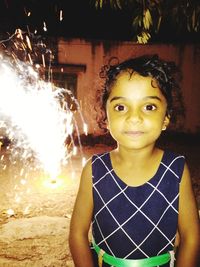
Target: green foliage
<point x="149" y="15"/>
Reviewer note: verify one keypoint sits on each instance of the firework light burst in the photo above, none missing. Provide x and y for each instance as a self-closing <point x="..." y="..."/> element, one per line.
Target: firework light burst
<point x="39" y="128"/>
<point x="34" y="116"/>
<point x="36" y="121"/>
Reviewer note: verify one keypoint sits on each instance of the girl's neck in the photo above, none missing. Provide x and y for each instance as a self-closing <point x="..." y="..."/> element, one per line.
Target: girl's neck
<point x="136" y="167"/>
<point x="126" y="155"/>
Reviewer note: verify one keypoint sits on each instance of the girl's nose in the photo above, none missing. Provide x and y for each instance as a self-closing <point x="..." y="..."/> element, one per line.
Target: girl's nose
<point x="134" y="116"/>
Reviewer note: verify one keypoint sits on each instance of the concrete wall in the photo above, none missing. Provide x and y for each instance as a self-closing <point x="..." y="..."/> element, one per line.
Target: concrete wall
<point x="94" y="54"/>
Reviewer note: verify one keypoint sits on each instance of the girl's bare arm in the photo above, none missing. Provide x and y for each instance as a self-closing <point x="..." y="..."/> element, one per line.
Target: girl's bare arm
<point x="81" y="220"/>
<point x="188" y="224"/>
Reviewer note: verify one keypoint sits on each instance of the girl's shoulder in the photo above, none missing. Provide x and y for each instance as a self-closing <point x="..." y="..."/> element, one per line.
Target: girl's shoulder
<point x="101" y="164"/>
<point x="100" y="156"/>
<point x="173" y="162"/>
<point x="96" y="159"/>
<point x="170" y="155"/>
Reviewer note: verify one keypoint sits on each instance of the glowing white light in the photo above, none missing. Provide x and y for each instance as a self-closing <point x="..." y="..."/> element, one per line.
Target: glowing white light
<point x="85" y="128"/>
<point x="74" y="150"/>
<point x="18" y="33"/>
<point x="61" y="15"/>
<point x="17" y="199"/>
<point x="53" y="183"/>
<point x="44" y="26"/>
<point x="21" y="172"/>
<point x="83" y="161"/>
<point x="43" y="61"/>
<point x="23" y="181"/>
<point x="37" y="122"/>
<point x="36" y="118"/>
<point x="10" y="212"/>
<point x="28" y="42"/>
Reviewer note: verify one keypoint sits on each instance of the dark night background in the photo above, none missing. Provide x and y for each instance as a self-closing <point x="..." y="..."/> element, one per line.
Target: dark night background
<point x="80" y="20"/>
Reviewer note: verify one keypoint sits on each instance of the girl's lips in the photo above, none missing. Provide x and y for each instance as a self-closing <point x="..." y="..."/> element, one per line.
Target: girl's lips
<point x="134" y="133"/>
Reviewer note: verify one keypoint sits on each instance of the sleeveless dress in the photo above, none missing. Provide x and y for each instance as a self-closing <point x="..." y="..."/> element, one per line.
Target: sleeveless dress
<point x="136" y="222"/>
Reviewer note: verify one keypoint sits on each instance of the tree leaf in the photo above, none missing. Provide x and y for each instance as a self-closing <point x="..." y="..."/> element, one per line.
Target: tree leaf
<point x="147" y="20"/>
<point x="193" y="18"/>
<point x="158" y="24"/>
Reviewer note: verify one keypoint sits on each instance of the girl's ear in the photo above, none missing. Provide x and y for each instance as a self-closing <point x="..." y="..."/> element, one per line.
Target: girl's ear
<point x="166" y="122"/>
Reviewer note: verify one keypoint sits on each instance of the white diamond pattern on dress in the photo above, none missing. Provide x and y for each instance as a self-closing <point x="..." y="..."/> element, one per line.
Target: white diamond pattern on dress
<point x="138" y="209"/>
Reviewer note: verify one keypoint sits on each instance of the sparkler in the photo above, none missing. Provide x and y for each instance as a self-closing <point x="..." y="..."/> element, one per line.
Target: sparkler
<point x="36" y="118"/>
<point x="37" y="122"/>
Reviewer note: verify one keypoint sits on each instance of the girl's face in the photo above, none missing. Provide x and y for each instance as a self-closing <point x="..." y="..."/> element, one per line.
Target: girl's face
<point x="136" y="111"/>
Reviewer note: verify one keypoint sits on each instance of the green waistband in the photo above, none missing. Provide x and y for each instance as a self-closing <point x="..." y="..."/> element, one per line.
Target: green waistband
<point x="119" y="262"/>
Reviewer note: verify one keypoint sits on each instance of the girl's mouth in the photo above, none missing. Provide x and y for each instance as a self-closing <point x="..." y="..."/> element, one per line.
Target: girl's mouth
<point x="134" y="133"/>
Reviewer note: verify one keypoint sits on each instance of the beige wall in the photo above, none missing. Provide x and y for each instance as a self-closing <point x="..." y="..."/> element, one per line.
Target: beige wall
<point x="94" y="54"/>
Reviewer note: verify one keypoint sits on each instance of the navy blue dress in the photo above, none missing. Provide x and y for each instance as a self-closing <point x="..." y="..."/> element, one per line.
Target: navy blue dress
<point x="136" y="222"/>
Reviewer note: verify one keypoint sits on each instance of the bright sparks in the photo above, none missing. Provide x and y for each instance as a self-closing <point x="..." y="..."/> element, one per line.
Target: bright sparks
<point x="10" y="212"/>
<point x="33" y="117"/>
<point x="61" y="15"/>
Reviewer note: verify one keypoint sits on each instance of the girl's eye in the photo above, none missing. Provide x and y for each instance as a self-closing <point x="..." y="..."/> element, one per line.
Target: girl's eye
<point x="120" y="107"/>
<point x="150" y="107"/>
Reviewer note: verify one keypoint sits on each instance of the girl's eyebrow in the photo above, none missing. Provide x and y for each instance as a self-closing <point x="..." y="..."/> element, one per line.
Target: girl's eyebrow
<point x="117" y="98"/>
<point x="145" y="98"/>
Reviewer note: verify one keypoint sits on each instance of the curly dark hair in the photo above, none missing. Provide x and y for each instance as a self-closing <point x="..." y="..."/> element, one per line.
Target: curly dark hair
<point x="163" y="73"/>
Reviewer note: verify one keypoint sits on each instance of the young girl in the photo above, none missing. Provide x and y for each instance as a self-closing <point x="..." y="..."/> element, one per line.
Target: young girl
<point x="138" y="197"/>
